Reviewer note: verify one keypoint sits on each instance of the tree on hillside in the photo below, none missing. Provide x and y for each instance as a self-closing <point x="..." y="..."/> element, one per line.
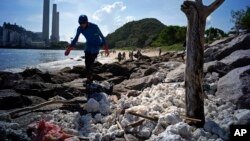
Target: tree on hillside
<point x="196" y="14"/>
<point x="136" y="33"/>
<point x="170" y="35"/>
<point x="241" y="19"/>
<point x="214" y="33"/>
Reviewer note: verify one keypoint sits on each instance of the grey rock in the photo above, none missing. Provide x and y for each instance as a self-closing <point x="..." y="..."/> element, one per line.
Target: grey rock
<point x="239" y="58"/>
<point x="9" y="99"/>
<point x="63" y="77"/>
<point x="118" y="70"/>
<point x="243" y="116"/>
<point x="212" y="127"/>
<point x="241" y="42"/>
<point x="234" y="85"/>
<point x="8" y="80"/>
<point x="170" y="65"/>
<point x="243" y="102"/>
<point x="92" y="105"/>
<point x="222" y="41"/>
<point x="44" y="90"/>
<point x="150" y="71"/>
<point x="176" y="75"/>
<point x="141" y="83"/>
<point x="10" y="131"/>
<point x="216" y="66"/>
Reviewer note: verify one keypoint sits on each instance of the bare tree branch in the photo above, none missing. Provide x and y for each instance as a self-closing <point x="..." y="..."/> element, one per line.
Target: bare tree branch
<point x="213" y="6"/>
<point x="199" y="2"/>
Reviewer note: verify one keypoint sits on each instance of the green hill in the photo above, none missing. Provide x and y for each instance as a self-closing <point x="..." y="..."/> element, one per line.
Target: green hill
<point x="136" y="33"/>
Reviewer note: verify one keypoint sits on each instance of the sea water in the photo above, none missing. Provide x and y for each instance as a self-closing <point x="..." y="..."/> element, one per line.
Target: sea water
<point x="15" y="60"/>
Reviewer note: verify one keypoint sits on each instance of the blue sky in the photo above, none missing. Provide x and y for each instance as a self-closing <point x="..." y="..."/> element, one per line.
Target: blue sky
<point x="110" y="14"/>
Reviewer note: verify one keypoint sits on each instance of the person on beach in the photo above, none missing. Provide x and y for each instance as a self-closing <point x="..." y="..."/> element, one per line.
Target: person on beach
<point x="94" y="40"/>
<point x="123" y="56"/>
<point x="119" y="57"/>
<point x="131" y="55"/>
<point x="159" y="51"/>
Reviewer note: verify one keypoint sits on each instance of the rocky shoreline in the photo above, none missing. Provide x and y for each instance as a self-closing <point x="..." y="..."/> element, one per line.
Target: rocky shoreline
<point x="152" y="87"/>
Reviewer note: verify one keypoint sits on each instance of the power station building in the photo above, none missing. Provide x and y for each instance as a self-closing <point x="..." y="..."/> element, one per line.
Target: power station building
<point x="55" y="22"/>
<point x="46" y="20"/>
<point x="55" y="25"/>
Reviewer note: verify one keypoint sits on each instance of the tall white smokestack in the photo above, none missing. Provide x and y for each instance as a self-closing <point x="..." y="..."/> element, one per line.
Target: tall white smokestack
<point x="57" y="27"/>
<point x="54" y="24"/>
<point x="46" y="20"/>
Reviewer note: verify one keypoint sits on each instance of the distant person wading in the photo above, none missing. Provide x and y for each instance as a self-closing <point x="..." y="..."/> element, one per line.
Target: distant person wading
<point x="94" y="40"/>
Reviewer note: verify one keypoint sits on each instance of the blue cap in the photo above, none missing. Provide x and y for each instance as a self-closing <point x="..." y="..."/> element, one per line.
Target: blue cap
<point x="82" y="19"/>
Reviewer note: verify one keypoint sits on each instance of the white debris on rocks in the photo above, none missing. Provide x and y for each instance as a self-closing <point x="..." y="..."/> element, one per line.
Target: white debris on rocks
<point x="165" y="101"/>
<point x="242" y="116"/>
<point x="92" y="105"/>
<point x="65" y="119"/>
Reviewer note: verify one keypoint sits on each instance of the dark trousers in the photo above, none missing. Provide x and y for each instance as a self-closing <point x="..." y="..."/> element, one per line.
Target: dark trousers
<point x="89" y="61"/>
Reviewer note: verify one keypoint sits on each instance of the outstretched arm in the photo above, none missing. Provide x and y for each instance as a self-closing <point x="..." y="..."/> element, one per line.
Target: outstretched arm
<point x="102" y="37"/>
<point x="73" y="43"/>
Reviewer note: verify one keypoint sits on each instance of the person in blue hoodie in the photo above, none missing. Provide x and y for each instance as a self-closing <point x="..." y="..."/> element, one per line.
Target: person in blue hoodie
<point x="94" y="40"/>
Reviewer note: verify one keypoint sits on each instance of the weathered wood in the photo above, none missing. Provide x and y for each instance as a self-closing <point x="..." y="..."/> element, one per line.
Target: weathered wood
<point x="196" y="14"/>
<point x="125" y="135"/>
<point x="32" y="108"/>
<point x="143" y="116"/>
<point x="135" y="124"/>
<point x="156" y="118"/>
<point x="191" y="119"/>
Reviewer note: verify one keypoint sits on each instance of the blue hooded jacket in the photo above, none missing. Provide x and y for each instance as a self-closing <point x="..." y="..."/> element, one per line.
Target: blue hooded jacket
<point x="94" y="38"/>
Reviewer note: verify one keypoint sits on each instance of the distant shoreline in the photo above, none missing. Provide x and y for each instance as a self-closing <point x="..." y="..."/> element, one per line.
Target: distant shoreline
<point x="45" y="48"/>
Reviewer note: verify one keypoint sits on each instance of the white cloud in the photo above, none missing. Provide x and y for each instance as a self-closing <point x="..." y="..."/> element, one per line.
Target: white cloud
<point x="209" y="21"/>
<point x="108" y="17"/>
<point x="108" y="9"/>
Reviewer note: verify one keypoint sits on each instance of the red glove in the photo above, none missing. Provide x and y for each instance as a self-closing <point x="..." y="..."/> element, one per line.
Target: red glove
<point x="67" y="51"/>
<point x="106" y="49"/>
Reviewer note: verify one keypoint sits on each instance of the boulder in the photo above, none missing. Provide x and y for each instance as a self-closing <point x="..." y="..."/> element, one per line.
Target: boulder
<point x="170" y="65"/>
<point x="118" y="70"/>
<point x="34" y="74"/>
<point x="31" y="72"/>
<point x="239" y="58"/>
<point x="150" y="71"/>
<point x="242" y="42"/>
<point x="176" y="75"/>
<point x="116" y="79"/>
<point x="242" y="116"/>
<point x="234" y="85"/>
<point x="105" y="75"/>
<point x="177" y="132"/>
<point x="216" y="66"/>
<point x="8" y="79"/>
<point x="92" y="105"/>
<point x="61" y="78"/>
<point x="209" y="53"/>
<point x="141" y="83"/>
<point x="12" y="132"/>
<point x="9" y="99"/>
<point x="221" y="41"/>
<point x="40" y="89"/>
<point x="79" y="69"/>
<point x="36" y="100"/>
<point x="243" y="102"/>
<point x="212" y="127"/>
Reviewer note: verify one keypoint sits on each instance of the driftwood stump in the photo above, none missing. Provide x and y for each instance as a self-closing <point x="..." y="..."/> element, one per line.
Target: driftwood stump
<point x="196" y="14"/>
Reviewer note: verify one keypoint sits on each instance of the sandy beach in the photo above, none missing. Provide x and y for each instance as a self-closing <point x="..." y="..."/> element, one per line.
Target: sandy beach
<point x="72" y="61"/>
<point x="113" y="56"/>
